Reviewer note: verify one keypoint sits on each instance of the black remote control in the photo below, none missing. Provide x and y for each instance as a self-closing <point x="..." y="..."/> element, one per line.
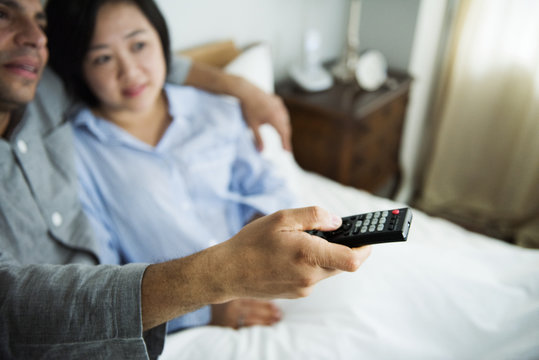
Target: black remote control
<point x="370" y="228"/>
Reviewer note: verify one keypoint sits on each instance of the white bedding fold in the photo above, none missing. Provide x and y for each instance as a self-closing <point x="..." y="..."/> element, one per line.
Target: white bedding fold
<point x="444" y="294"/>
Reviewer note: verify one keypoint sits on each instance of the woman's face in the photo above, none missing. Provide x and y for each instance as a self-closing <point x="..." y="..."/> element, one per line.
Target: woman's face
<point x="124" y="66"/>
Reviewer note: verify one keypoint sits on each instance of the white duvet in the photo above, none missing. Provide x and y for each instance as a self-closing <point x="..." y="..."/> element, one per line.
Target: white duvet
<point x="446" y="293"/>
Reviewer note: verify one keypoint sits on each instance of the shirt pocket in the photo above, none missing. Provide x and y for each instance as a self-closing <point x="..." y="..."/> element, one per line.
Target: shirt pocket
<point x="208" y="171"/>
<point x="61" y="203"/>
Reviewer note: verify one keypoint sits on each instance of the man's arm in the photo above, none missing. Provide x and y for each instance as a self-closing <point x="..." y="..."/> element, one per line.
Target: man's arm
<point x="246" y="266"/>
<point x="71" y="311"/>
<point x="258" y="107"/>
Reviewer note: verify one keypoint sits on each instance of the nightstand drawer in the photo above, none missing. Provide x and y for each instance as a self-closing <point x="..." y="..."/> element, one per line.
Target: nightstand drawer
<point x="313" y="137"/>
<point x="349" y="135"/>
<point x="373" y="155"/>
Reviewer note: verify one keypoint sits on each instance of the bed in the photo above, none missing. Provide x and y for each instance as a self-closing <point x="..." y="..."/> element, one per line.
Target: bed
<point x="446" y="293"/>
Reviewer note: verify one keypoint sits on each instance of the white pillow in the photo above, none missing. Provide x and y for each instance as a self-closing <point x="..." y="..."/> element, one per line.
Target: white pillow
<point x="255" y="65"/>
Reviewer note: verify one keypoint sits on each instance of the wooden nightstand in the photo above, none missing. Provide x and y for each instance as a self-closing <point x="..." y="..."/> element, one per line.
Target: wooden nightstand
<point x="349" y="135"/>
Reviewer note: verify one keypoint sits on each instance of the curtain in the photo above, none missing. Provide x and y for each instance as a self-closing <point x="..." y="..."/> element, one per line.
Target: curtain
<point x="483" y="166"/>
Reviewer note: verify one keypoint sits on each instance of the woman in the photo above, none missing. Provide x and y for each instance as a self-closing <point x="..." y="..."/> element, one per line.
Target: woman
<point x="165" y="171"/>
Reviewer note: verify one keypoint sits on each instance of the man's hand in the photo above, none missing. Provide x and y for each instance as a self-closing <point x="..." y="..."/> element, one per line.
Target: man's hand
<point x="258" y="106"/>
<point x="245" y="312"/>
<point x="261" y="108"/>
<point x="272" y="257"/>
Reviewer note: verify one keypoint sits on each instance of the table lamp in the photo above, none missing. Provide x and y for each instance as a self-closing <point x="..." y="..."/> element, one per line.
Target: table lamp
<point x="345" y="68"/>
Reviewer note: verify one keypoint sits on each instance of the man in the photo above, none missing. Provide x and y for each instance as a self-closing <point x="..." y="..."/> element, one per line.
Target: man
<point x="55" y="300"/>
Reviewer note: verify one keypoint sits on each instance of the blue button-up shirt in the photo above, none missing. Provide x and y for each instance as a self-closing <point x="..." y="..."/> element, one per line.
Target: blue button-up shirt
<point x="198" y="186"/>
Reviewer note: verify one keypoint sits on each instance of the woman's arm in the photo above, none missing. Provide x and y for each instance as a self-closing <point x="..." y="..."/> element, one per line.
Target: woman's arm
<point x="258" y="106"/>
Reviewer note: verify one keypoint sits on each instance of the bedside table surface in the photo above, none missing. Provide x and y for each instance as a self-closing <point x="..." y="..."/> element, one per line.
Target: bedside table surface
<point x="345" y="100"/>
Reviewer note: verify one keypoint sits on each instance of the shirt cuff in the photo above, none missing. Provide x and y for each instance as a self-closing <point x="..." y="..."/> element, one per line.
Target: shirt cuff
<point x="179" y="69"/>
<point x="129" y="310"/>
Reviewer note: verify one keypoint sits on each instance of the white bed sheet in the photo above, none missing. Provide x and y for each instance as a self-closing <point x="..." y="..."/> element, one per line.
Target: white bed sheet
<point x="444" y="294"/>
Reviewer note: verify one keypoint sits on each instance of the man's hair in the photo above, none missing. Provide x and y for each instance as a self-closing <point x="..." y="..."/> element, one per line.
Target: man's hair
<point x="71" y="24"/>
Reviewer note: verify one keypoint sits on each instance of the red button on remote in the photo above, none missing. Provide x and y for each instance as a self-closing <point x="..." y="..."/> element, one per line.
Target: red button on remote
<point x="395" y="212"/>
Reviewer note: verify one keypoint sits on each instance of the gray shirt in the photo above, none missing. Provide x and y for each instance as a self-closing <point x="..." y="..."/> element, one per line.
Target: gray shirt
<point x="55" y="301"/>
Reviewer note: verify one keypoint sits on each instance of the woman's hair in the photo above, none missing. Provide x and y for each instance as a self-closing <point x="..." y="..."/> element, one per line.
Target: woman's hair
<point x="71" y="25"/>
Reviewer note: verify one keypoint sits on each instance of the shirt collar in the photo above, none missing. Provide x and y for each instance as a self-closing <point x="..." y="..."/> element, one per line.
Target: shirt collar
<point x="13" y="122"/>
<point x="187" y="107"/>
<point x="108" y="132"/>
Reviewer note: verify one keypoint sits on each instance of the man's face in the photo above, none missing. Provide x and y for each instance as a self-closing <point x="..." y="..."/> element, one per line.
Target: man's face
<point x="23" y="51"/>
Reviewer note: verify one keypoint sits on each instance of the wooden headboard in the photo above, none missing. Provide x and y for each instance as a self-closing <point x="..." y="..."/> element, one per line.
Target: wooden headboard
<point x="216" y="53"/>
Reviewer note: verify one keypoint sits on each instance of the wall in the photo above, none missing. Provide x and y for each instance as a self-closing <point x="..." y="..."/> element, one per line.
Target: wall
<point x="408" y="33"/>
<point x="389" y="26"/>
<point x="281" y="23"/>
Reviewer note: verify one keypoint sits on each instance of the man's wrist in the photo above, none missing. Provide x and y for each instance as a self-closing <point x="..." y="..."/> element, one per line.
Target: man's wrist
<point x="237" y="86"/>
<point x="176" y="287"/>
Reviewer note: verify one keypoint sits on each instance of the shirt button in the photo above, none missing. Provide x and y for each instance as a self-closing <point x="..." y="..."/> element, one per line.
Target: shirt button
<point x="23" y="148"/>
<point x="56" y="219"/>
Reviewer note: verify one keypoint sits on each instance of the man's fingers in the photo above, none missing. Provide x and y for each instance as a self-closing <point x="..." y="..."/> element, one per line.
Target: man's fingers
<point x="259" y="143"/>
<point x="340" y="257"/>
<point x="286" y="138"/>
<point x="258" y="312"/>
<point x="312" y="218"/>
<point x="263" y="312"/>
<point x="283" y="127"/>
<point x="362" y="253"/>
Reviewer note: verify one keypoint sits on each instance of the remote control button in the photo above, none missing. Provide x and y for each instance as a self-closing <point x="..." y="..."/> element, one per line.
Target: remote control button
<point x="368" y="228"/>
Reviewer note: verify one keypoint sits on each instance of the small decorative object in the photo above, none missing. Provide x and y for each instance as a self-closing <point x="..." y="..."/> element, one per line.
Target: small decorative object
<point x="371" y="70"/>
<point x="310" y="75"/>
